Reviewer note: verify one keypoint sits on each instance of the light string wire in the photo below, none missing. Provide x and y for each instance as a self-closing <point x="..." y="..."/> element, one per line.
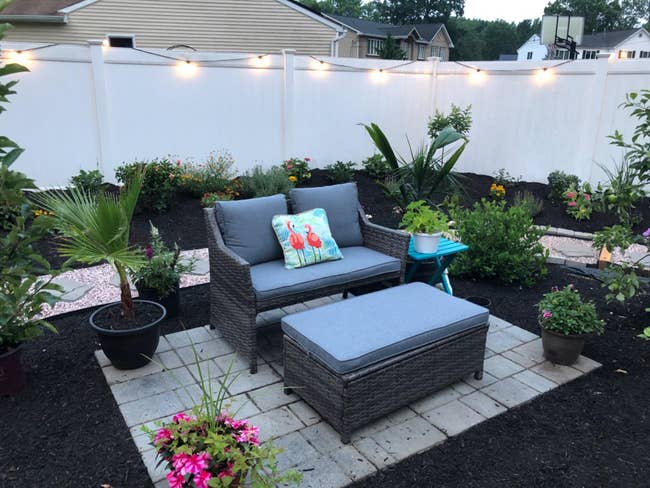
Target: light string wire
<point x="488" y="70"/>
<point x="359" y="68"/>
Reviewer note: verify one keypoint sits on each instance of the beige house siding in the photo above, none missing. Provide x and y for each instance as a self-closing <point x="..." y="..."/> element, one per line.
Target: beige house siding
<point x="440" y="40"/>
<point x="355" y="45"/>
<point x="349" y="45"/>
<point x="256" y="26"/>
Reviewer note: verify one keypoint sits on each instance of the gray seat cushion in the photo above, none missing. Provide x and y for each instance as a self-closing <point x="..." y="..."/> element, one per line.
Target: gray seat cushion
<point x="272" y="279"/>
<point x="358" y="332"/>
<point x="341" y="203"/>
<point x="246" y="227"/>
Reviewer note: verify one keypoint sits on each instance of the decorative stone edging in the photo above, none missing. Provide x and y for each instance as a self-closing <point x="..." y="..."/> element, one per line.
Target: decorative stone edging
<point x="560" y="232"/>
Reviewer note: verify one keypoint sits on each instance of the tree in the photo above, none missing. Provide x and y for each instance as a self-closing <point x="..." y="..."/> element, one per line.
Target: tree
<point x="526" y="28"/>
<point x="390" y="49"/>
<point x="349" y="8"/>
<point x="419" y="11"/>
<point x="637" y="12"/>
<point x="600" y="15"/>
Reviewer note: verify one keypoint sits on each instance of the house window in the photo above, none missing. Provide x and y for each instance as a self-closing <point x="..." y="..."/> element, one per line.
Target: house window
<point x="529" y="55"/>
<point x="121" y="41"/>
<point x="644" y="54"/>
<point x="562" y="54"/>
<point x="421" y="51"/>
<point x="626" y="54"/>
<point x="589" y="54"/>
<point x="374" y="46"/>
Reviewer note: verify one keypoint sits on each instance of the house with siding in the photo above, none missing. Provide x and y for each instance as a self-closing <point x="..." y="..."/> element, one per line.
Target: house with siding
<point x="255" y="26"/>
<point x="364" y="38"/>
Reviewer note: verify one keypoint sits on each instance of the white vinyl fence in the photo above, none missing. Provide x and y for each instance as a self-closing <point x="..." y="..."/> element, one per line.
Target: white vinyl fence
<point x="86" y="107"/>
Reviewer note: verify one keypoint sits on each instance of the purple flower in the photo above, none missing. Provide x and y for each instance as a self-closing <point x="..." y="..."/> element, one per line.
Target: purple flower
<point x="647" y="232"/>
<point x="148" y="252"/>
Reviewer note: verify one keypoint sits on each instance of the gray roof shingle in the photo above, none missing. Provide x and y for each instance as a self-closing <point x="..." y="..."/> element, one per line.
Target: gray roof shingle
<point x="377" y="29"/>
<point x="606" y="39"/>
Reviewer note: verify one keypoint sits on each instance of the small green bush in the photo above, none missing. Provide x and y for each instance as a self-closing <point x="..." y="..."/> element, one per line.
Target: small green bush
<point x="376" y="166"/>
<point x="504" y="178"/>
<point x="458" y="118"/>
<point x="563" y="311"/>
<point x="263" y="183"/>
<point x="340" y="172"/>
<point x="161" y="180"/>
<point x="503" y="243"/>
<point x="210" y="176"/>
<point x="297" y="169"/>
<point x="559" y="182"/>
<point x="530" y="202"/>
<point x="88" y="181"/>
<point x="420" y="218"/>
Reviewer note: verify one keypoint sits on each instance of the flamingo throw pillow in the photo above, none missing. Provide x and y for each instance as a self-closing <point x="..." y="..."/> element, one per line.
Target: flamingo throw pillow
<point x="305" y="238"/>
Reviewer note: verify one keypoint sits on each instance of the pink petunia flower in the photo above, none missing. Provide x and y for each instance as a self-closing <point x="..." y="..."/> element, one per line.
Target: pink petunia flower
<point x="570" y="194"/>
<point x="179" y="461"/>
<point x="227" y="472"/>
<point x="201" y="479"/>
<point x="572" y="204"/>
<point x="195" y="463"/>
<point x="547" y="314"/>
<point x="249" y="435"/>
<point x="175" y="480"/>
<point x="587" y="196"/>
<point x="181" y="417"/>
<point x="162" y="435"/>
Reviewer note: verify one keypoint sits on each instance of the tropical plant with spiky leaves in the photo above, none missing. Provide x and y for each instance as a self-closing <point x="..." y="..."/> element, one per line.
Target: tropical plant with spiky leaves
<point x="427" y="170"/>
<point x="96" y="228"/>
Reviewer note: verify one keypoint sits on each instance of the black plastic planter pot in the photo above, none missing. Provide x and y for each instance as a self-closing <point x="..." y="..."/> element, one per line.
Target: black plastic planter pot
<point x="562" y="348"/>
<point x="170" y="302"/>
<point x="480" y="301"/>
<point x="12" y="376"/>
<point x="129" y="348"/>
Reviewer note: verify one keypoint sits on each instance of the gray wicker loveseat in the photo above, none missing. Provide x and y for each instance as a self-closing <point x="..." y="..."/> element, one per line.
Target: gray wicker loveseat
<point x="247" y="273"/>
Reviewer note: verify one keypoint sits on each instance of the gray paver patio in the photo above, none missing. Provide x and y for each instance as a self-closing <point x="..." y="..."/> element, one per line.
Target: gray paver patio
<point x="515" y="372"/>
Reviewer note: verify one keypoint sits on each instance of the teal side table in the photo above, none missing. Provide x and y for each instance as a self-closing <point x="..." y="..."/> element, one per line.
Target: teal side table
<point x="442" y="258"/>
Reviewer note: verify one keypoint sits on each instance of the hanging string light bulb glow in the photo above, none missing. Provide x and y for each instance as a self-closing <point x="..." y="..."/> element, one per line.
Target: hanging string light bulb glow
<point x="186" y="68"/>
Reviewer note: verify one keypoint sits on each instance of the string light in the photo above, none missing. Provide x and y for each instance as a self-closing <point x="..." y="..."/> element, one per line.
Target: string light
<point x="186" y="68"/>
<point x="261" y="61"/>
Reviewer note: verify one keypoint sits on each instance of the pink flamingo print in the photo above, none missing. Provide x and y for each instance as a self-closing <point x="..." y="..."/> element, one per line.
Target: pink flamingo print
<point x="296" y="241"/>
<point x="313" y="240"/>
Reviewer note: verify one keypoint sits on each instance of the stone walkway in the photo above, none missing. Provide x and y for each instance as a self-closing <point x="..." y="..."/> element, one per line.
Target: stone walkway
<point x="515" y="372"/>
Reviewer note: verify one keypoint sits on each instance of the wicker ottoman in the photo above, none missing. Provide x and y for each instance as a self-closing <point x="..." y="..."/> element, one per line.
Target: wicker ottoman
<point x="357" y="360"/>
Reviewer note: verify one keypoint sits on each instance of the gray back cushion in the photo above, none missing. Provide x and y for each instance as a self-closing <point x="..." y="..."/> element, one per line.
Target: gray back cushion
<point x="246" y="227"/>
<point x="341" y="203"/>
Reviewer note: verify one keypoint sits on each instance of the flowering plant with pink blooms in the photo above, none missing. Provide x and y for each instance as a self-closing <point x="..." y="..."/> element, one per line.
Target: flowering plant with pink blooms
<point x="578" y="201"/>
<point x="209" y="448"/>
<point x="563" y="311"/>
<point x="297" y="169"/>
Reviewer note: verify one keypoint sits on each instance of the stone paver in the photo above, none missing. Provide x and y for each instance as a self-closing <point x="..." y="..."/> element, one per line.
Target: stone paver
<point x="515" y="372"/>
<point x="453" y="418"/>
<point x="72" y="290"/>
<point x="201" y="267"/>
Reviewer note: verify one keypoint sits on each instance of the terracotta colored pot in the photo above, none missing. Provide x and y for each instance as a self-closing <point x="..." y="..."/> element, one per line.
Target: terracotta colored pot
<point x="12" y="376"/>
<point x="562" y="348"/>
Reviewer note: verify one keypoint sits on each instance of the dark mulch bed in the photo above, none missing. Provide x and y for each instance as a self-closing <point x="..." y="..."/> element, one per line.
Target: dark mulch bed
<point x="65" y="430"/>
<point x="184" y="223"/>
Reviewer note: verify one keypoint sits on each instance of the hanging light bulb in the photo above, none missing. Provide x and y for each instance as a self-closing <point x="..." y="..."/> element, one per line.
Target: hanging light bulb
<point x="477" y="76"/>
<point x="20" y="57"/>
<point x="186" y="68"/>
<point x="543" y="75"/>
<point x="261" y="61"/>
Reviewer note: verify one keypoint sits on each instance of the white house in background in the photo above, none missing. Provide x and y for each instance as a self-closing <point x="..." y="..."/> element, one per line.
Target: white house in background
<point x="532" y="50"/>
<point x="627" y="44"/>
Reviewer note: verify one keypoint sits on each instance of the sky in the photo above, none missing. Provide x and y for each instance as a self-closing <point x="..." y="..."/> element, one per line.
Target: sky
<point x="510" y="10"/>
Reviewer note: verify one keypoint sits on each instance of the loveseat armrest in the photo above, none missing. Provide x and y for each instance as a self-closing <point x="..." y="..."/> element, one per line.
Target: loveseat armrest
<point x="387" y="241"/>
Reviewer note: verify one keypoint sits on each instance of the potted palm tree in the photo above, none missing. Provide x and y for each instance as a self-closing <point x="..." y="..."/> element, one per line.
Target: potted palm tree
<point x="94" y="229"/>
<point x="426" y="226"/>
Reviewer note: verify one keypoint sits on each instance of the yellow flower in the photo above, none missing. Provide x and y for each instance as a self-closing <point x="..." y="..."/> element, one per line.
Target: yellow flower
<point x="293" y="179"/>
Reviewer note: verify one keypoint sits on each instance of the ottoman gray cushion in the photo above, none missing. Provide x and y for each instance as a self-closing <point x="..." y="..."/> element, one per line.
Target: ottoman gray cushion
<point x="341" y="203"/>
<point x="246" y="227"/>
<point x="272" y="279"/>
<point x="355" y="333"/>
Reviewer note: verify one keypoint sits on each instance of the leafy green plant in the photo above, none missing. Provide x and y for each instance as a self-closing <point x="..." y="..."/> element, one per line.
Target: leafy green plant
<point x="210" y="176"/>
<point x="297" y="169"/>
<point x="376" y="166"/>
<point x="340" y="172"/>
<point x="162" y="178"/>
<point x="578" y="202"/>
<point x="563" y="311"/>
<point x="505" y="179"/>
<point x="460" y="119"/>
<point x="88" y="181"/>
<point x="95" y="228"/>
<point x="638" y="148"/>
<point x="263" y="183"/>
<point x="620" y="193"/>
<point x="419" y="218"/>
<point x="162" y="268"/>
<point x="426" y="172"/>
<point x="209" y="199"/>
<point x="646" y="332"/>
<point x="503" y="243"/>
<point x="559" y="182"/>
<point x="529" y="202"/>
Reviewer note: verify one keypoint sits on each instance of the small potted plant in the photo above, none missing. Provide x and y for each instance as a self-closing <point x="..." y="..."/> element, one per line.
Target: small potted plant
<point x="159" y="278"/>
<point x="209" y="448"/>
<point x="94" y="229"/>
<point x="426" y="226"/>
<point x="566" y="322"/>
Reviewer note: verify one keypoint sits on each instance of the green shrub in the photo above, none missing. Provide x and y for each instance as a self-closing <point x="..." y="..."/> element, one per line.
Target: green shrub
<point x="260" y="183"/>
<point x="559" y="182"/>
<point x="563" y="311"/>
<point x="88" y="181"/>
<point x="620" y="194"/>
<point x="209" y="199"/>
<point x="503" y="243"/>
<point x="376" y="166"/>
<point x="578" y="202"/>
<point x="297" y="169"/>
<point x="340" y="172"/>
<point x="530" y="202"/>
<point x="504" y="178"/>
<point x="161" y="180"/>
<point x="460" y="119"/>
<point x="420" y="218"/>
<point x="211" y="176"/>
